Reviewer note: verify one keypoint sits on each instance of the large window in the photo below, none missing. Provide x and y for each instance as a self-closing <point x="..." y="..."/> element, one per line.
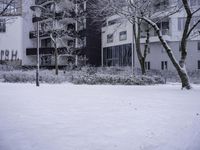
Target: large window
<point x="198" y="64"/>
<point x="117" y="55"/>
<point x="2" y="25"/>
<point x="123" y="36"/>
<point x="8" y="7"/>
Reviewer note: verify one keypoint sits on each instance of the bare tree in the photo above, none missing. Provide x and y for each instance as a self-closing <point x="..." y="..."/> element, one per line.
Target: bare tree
<point x="132" y="11"/>
<point x="62" y="25"/>
<point x="188" y="28"/>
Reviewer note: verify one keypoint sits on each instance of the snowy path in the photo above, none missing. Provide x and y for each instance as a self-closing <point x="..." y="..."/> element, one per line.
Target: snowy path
<point x="71" y="117"/>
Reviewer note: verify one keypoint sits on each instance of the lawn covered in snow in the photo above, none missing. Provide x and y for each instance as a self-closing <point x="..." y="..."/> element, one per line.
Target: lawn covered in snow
<point x="82" y="117"/>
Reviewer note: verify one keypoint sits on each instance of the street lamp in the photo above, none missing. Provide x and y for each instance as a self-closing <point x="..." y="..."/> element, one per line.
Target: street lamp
<point x="37" y="11"/>
<point x="42" y="11"/>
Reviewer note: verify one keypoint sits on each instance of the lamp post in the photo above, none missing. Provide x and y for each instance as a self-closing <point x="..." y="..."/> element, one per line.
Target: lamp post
<point x="42" y="11"/>
<point x="37" y="11"/>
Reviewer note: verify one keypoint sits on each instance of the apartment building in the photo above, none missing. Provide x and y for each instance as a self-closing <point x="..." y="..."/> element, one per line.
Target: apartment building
<point x="116" y="35"/>
<point x="11" y="24"/>
<point x="18" y="38"/>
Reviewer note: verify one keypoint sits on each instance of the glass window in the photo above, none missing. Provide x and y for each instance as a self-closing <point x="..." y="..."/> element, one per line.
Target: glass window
<point x="117" y="55"/>
<point x="198" y="64"/>
<point x="181" y="23"/>
<point x="123" y="35"/>
<point x="109" y="38"/>
<point x="198" y="46"/>
<point x="45" y="60"/>
<point x="46" y="42"/>
<point x="164" y="65"/>
<point x="147" y="65"/>
<point x="112" y="22"/>
<point x="2" y="25"/>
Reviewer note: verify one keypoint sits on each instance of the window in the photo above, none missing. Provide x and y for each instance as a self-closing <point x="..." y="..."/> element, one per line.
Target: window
<point x="45" y="60"/>
<point x="148" y="50"/>
<point x="198" y="64"/>
<point x="182" y="20"/>
<point x="147" y="65"/>
<point x="71" y="26"/>
<point x="161" y="5"/>
<point x="112" y="22"/>
<point x="46" y="42"/>
<point x="164" y="27"/>
<point x="119" y="55"/>
<point x="181" y="23"/>
<point x="123" y="35"/>
<point x="70" y="43"/>
<point x="198" y="46"/>
<point x="2" y="25"/>
<point x="109" y="38"/>
<point x="164" y="65"/>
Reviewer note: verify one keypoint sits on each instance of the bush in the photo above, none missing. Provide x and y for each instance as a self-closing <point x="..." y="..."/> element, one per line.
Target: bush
<point x="84" y="75"/>
<point x="29" y="77"/>
<point x="15" y="77"/>
<point x="115" y="79"/>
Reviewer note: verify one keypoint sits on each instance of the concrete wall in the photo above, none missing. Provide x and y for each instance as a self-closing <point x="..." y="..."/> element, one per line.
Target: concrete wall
<point x="27" y="27"/>
<point x="11" y="40"/>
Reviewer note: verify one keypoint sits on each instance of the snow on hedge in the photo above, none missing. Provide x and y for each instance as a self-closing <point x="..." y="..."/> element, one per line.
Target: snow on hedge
<point x="84" y="117"/>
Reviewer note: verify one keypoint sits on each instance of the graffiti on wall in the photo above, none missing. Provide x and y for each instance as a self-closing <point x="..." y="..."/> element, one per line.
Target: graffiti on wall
<point x="6" y="55"/>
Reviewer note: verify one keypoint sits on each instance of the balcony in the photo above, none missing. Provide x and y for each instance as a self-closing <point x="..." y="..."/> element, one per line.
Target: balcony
<point x="51" y="51"/>
<point x="33" y="34"/>
<point x="43" y="51"/>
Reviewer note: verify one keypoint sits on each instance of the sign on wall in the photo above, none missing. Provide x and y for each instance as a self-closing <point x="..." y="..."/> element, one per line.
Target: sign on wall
<point x="6" y="55"/>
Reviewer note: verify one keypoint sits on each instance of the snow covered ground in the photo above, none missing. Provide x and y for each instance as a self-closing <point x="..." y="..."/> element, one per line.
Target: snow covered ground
<point x="82" y="117"/>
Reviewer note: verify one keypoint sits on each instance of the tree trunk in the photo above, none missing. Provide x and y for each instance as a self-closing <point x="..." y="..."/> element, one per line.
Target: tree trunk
<point x="184" y="78"/>
<point x="136" y="31"/>
<point x="56" y="59"/>
<point x="181" y="70"/>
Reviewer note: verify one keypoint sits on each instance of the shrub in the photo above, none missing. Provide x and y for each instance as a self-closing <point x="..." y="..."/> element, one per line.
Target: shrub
<point x="29" y="76"/>
<point x="115" y="79"/>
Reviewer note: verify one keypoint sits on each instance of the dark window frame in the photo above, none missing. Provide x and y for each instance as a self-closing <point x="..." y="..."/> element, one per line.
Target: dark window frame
<point x="164" y="65"/>
<point x="198" y="64"/>
<point x="123" y="36"/>
<point x="110" y="38"/>
<point x="2" y="25"/>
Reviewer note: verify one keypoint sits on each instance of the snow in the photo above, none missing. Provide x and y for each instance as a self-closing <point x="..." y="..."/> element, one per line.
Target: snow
<point x="82" y="117"/>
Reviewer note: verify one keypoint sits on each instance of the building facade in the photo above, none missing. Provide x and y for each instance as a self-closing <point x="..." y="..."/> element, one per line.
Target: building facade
<point x="117" y="37"/>
<point x="75" y="42"/>
<point x="112" y="46"/>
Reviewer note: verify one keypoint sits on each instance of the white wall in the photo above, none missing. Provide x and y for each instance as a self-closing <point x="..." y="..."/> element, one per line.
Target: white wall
<point x="157" y="52"/>
<point x="27" y="27"/>
<point x="11" y="40"/>
<point x="115" y="30"/>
